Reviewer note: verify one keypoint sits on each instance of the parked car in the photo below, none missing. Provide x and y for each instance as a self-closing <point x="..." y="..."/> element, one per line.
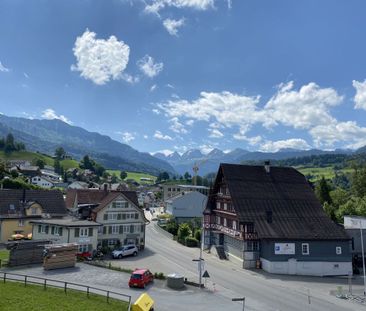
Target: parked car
<point x="126" y="250"/>
<point x="140" y="278"/>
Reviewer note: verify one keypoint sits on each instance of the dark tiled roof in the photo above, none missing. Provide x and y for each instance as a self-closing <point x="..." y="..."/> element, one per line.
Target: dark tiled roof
<point x="52" y="201"/>
<point x="296" y="212"/>
<point x="100" y="197"/>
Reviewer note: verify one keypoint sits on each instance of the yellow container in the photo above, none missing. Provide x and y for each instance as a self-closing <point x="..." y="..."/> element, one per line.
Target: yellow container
<point x="143" y="303"/>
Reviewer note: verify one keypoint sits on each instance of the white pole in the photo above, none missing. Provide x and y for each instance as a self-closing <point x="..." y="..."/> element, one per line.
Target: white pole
<point x="363" y="261"/>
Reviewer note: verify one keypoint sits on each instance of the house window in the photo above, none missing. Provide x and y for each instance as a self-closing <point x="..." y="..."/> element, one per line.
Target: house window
<point x="225" y="206"/>
<point x="225" y="222"/>
<point x="234" y="224"/>
<point x="34" y="211"/>
<point x="58" y="231"/>
<point x="218" y="220"/>
<point x="112" y="216"/>
<point x="126" y="229"/>
<point x="43" y="229"/>
<point x="112" y="242"/>
<point x="84" y="232"/>
<point x="120" y="204"/>
<point x="253" y="246"/>
<point x="83" y="248"/>
<point x="218" y="205"/>
<point x="305" y="248"/>
<point x="21" y="223"/>
<point x="339" y="250"/>
<point x="115" y="229"/>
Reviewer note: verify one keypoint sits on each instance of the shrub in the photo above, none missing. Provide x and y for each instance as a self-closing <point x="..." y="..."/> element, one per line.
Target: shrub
<point x="191" y="242"/>
<point x="197" y="235"/>
<point x="159" y="276"/>
<point x="184" y="231"/>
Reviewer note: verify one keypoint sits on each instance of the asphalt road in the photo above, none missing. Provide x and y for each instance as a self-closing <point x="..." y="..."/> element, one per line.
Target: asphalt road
<point x="262" y="291"/>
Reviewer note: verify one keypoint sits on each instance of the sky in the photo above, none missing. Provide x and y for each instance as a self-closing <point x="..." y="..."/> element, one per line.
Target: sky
<point x="174" y="75"/>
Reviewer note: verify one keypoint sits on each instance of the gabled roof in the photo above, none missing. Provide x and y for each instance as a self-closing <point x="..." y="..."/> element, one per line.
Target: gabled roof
<point x="52" y="201"/>
<point x="284" y="192"/>
<point x="100" y="197"/>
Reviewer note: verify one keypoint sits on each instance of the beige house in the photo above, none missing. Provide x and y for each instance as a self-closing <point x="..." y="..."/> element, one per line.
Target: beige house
<point x="19" y="207"/>
<point x="122" y="220"/>
<point x="67" y="230"/>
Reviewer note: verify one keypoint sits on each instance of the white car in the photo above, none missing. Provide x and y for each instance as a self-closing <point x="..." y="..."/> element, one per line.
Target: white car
<point x="126" y="250"/>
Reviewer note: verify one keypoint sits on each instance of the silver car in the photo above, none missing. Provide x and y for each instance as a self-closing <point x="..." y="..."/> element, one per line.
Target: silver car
<point x="126" y="250"/>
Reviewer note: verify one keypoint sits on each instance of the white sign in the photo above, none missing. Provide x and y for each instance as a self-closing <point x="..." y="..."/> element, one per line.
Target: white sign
<point x="354" y="222"/>
<point x="284" y="249"/>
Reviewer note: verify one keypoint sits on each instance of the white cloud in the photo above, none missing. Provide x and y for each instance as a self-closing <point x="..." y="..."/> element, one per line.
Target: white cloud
<point x="295" y="143"/>
<point x="206" y="149"/>
<point x="127" y="137"/>
<point x="50" y="114"/>
<point x="148" y="67"/>
<point x="190" y="122"/>
<point x="360" y="97"/>
<point x="225" y="108"/>
<point x="302" y="109"/>
<point x="255" y="140"/>
<point x="153" y="88"/>
<point x="172" y="25"/>
<point x="156" y="111"/>
<point x="146" y="136"/>
<point x="215" y="133"/>
<point x="3" y="68"/>
<point x="176" y="126"/>
<point x="328" y="134"/>
<point x="170" y="86"/>
<point x="159" y="135"/>
<point x="100" y="60"/>
<point x="25" y="75"/>
<point x="155" y="6"/>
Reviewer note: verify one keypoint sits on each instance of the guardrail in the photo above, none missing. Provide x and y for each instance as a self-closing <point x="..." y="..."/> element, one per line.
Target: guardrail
<point x="29" y="279"/>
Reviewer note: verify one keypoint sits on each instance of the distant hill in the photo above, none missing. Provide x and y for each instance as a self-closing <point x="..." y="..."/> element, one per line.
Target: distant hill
<point x="209" y="163"/>
<point x="46" y="135"/>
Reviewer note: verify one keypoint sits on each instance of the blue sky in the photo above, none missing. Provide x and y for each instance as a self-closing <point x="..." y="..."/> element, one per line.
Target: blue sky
<point x="173" y="75"/>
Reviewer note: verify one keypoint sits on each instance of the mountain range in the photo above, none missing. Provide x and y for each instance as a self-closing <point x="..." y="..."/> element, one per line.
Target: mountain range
<point x="208" y="163"/>
<point x="46" y="135"/>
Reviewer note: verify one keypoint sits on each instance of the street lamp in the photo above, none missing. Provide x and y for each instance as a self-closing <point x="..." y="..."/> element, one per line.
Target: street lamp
<point x="363" y="261"/>
<point x="240" y="299"/>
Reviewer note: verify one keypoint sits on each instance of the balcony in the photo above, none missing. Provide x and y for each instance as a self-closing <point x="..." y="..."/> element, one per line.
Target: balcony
<point x="229" y="231"/>
<point x="250" y="236"/>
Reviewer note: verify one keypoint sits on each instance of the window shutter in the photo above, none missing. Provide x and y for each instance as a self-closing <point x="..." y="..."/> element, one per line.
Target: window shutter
<point x="136" y="215"/>
<point x="123" y="216"/>
<point x="120" y="229"/>
<point x="39" y="228"/>
<point x="60" y="231"/>
<point x="105" y="217"/>
<point x="90" y="231"/>
<point x="52" y="230"/>
<point x="77" y="232"/>
<point x="46" y="230"/>
<point x="131" y="228"/>
<point x="110" y="229"/>
<point x="119" y="216"/>
<point x="104" y="230"/>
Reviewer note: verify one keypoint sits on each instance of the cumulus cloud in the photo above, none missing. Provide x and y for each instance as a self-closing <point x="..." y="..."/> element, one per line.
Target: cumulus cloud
<point x="172" y="25"/>
<point x="153" y="88"/>
<point x="165" y="152"/>
<point x="303" y="109"/>
<point x="176" y="126"/>
<point x="3" y="68"/>
<point x="255" y="140"/>
<point x="100" y="60"/>
<point x="215" y="133"/>
<point x="159" y="135"/>
<point x="148" y="67"/>
<point x="50" y="114"/>
<point x="360" y="97"/>
<point x="294" y="143"/>
<point x="327" y="135"/>
<point x="127" y="137"/>
<point x="154" y="6"/>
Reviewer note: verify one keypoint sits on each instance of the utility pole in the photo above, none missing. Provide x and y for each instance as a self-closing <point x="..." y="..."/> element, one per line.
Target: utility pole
<point x="363" y="261"/>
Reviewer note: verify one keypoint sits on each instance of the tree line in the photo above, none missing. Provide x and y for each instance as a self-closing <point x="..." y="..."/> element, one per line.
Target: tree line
<point x="8" y="144"/>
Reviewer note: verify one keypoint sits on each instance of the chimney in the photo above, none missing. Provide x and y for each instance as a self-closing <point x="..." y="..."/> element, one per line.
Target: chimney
<point x="267" y="166"/>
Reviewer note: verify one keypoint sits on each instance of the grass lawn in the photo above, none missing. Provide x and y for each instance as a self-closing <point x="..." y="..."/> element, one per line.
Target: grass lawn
<point x="4" y="254"/>
<point x="15" y="296"/>
<point x="66" y="164"/>
<point x="135" y="176"/>
<point x="26" y="155"/>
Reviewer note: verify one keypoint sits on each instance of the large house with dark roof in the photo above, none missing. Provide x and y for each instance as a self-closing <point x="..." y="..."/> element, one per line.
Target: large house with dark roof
<point x="122" y="220"/>
<point x="19" y="206"/>
<point x="271" y="215"/>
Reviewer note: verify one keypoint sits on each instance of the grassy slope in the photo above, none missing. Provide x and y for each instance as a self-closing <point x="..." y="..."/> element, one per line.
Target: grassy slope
<point x="4" y="254"/>
<point x="14" y="296"/>
<point x="318" y="172"/>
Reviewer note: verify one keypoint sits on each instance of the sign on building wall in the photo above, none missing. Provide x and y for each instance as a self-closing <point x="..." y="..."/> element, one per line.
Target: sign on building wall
<point x="284" y="248"/>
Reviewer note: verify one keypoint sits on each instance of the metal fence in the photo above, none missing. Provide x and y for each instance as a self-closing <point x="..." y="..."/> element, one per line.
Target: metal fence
<point x="28" y="279"/>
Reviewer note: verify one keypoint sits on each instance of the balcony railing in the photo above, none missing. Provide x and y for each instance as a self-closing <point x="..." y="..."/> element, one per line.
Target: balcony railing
<point x="250" y="236"/>
<point x="238" y="234"/>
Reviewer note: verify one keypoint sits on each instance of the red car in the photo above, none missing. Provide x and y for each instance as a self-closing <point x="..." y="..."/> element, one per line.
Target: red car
<point x="140" y="278"/>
